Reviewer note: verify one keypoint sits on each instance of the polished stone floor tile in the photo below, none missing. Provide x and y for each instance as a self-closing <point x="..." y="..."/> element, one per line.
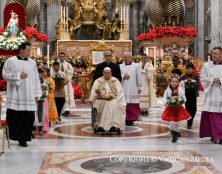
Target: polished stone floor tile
<point x="71" y="147"/>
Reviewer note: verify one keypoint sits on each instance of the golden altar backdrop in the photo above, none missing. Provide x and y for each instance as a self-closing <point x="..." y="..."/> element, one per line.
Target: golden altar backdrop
<point x="75" y="48"/>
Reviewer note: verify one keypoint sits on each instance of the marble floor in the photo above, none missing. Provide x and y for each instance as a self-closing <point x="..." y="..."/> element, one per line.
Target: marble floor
<point x="71" y="148"/>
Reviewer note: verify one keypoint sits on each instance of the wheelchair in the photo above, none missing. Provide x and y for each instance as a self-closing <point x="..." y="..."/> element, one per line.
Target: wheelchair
<point x="96" y="129"/>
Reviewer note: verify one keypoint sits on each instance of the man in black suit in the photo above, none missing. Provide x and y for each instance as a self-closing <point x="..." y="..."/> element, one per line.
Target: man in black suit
<point x="108" y="63"/>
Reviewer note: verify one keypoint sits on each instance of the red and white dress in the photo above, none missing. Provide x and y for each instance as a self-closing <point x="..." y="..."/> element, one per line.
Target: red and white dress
<point x="174" y="114"/>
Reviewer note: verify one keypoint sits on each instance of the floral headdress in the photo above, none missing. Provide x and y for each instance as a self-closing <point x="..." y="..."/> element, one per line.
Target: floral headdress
<point x="174" y="75"/>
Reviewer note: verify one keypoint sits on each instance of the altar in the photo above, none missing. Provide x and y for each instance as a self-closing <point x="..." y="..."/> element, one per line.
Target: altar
<point x="75" y="48"/>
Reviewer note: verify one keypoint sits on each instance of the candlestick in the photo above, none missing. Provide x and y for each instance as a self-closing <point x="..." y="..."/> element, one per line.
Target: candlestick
<point x="48" y="55"/>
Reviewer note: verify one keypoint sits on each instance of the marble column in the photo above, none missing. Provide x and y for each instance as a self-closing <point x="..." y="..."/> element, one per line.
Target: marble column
<point x="216" y="23"/>
<point x="200" y="21"/>
<point x="41" y="18"/>
<point x="135" y="26"/>
<point x="53" y="15"/>
<point x="2" y="2"/>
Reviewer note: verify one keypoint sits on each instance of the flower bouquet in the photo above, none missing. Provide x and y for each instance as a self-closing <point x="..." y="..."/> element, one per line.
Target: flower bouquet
<point x="175" y="101"/>
<point x="45" y="86"/>
<point x="59" y="79"/>
<point x="190" y="83"/>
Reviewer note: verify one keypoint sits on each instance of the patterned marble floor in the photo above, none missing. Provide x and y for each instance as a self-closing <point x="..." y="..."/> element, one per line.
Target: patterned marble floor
<point x="71" y="148"/>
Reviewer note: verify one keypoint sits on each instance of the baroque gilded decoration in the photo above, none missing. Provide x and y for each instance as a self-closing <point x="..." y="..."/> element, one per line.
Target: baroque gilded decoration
<point x="31" y="7"/>
<point x="90" y="16"/>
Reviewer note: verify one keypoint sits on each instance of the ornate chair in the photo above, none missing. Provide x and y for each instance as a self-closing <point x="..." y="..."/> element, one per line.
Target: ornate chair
<point x="4" y="128"/>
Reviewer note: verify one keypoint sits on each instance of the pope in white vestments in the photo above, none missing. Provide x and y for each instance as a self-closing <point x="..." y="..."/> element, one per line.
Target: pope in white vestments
<point x="69" y="91"/>
<point x="147" y="95"/>
<point x="211" y="79"/>
<point x="108" y="98"/>
<point x="132" y="85"/>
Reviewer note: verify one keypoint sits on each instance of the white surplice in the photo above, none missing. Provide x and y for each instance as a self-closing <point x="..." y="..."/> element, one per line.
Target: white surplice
<point x="147" y="95"/>
<point x="21" y="93"/>
<point x="111" y="112"/>
<point x="213" y="98"/>
<point x="69" y="91"/>
<point x="132" y="85"/>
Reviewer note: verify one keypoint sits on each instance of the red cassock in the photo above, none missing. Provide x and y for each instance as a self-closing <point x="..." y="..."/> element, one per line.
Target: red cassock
<point x="175" y="114"/>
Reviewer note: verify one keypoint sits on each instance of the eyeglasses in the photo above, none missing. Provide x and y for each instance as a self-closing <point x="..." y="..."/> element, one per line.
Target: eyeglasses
<point x="108" y="55"/>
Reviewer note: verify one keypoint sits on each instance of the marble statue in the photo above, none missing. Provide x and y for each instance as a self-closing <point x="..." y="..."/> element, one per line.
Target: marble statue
<point x="13" y="25"/>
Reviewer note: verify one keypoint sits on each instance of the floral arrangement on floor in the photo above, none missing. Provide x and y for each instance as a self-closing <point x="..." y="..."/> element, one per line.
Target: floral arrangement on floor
<point x="3" y="85"/>
<point x="30" y="33"/>
<point x="160" y="32"/>
<point x="77" y="91"/>
<point x="175" y="101"/>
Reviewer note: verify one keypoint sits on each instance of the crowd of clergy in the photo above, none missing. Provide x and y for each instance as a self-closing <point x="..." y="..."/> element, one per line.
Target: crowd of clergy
<point x="38" y="96"/>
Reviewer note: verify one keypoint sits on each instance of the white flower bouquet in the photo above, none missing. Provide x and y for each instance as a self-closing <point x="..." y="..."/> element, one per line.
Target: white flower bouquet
<point x="190" y="83"/>
<point x="45" y="86"/>
<point x="175" y="101"/>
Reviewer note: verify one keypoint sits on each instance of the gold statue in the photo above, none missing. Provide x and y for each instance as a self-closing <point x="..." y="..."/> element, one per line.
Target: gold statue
<point x="75" y="23"/>
<point x="59" y="29"/>
<point x="100" y="9"/>
<point x="106" y="27"/>
<point x="116" y="26"/>
<point x="90" y="15"/>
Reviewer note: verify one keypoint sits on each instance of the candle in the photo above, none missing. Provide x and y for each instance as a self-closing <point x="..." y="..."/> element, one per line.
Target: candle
<point x="48" y="55"/>
<point x="127" y="14"/>
<point x="64" y="14"/>
<point x="61" y="15"/>
<point x="67" y="14"/>
<point x="124" y="15"/>
<point x="121" y="15"/>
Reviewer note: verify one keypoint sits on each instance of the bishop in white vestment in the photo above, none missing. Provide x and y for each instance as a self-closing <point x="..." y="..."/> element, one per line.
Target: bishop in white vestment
<point x="132" y="85"/>
<point x="108" y="98"/>
<point x="211" y="79"/>
<point x="69" y="91"/>
<point x="23" y="89"/>
<point x="147" y="95"/>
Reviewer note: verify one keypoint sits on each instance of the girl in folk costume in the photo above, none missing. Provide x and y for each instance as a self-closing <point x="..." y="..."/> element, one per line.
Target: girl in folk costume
<point x="42" y="120"/>
<point x="175" y="113"/>
<point x="53" y="114"/>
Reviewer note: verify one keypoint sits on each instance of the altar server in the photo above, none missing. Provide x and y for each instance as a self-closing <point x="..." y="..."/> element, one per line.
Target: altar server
<point x="23" y="89"/>
<point x="147" y="95"/>
<point x="211" y="79"/>
<point x="132" y="85"/>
